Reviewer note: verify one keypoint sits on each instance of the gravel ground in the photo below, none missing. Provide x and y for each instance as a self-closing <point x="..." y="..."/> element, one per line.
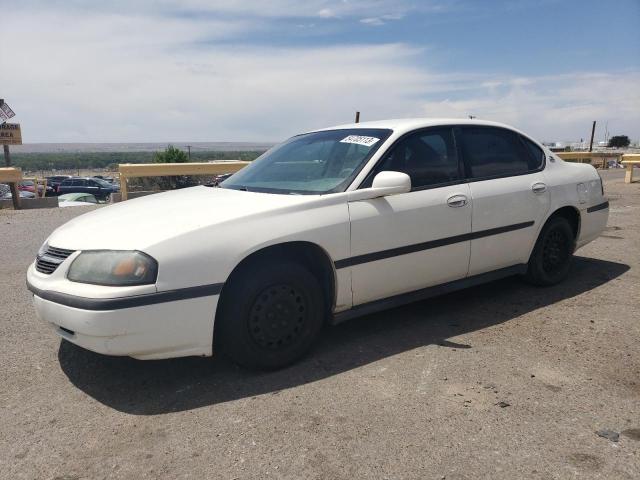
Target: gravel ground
<point x="500" y="381"/>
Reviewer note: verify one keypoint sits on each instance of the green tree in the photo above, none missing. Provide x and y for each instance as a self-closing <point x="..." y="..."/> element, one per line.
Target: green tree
<point x="619" y="141"/>
<point x="170" y="155"/>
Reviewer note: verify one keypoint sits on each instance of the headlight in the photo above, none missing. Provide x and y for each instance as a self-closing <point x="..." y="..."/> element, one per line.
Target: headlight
<point x="113" y="268"/>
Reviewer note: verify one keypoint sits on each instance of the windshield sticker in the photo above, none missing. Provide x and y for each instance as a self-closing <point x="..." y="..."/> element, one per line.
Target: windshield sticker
<point x="360" y="140"/>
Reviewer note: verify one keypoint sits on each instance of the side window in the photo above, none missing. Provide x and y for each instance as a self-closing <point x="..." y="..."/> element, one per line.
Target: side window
<point x="77" y="183"/>
<point x="493" y="152"/>
<point x="428" y="157"/>
<point x="535" y="152"/>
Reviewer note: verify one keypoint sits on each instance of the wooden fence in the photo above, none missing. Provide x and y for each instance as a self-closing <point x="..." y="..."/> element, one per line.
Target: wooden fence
<point x="597" y="159"/>
<point x="134" y="170"/>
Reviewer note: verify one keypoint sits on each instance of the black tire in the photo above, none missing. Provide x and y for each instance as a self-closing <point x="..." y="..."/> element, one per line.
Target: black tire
<point x="551" y="257"/>
<point x="270" y="316"/>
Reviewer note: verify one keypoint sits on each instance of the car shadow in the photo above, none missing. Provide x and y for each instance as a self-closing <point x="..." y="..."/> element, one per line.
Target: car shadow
<point x="162" y="386"/>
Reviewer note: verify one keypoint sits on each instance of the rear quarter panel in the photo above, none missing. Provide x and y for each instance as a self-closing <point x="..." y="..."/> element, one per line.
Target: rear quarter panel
<point x="577" y="185"/>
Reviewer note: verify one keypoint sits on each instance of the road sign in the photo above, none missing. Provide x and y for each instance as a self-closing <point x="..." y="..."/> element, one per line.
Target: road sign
<point x="5" y="112"/>
<point x="10" y="134"/>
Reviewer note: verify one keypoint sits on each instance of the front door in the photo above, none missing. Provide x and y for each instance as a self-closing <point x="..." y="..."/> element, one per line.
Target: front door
<point x="401" y="243"/>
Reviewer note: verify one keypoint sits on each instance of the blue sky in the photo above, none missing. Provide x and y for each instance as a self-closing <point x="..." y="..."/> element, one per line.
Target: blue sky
<point x="250" y="70"/>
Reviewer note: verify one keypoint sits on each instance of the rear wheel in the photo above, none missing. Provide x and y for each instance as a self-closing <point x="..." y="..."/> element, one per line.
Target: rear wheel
<point x="270" y="315"/>
<point x="551" y="258"/>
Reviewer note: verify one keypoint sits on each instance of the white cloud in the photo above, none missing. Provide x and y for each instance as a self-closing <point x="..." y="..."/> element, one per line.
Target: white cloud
<point x="295" y="8"/>
<point x="381" y="20"/>
<point x="556" y="107"/>
<point x="326" y="13"/>
<point x="252" y="8"/>
<point x="117" y="78"/>
<point x="108" y="76"/>
<point x="373" y="21"/>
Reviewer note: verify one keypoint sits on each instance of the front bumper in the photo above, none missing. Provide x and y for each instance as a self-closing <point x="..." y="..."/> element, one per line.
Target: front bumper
<point x="161" y="325"/>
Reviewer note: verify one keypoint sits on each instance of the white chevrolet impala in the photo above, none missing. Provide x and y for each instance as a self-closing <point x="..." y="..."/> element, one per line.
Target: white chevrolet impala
<point x="327" y="226"/>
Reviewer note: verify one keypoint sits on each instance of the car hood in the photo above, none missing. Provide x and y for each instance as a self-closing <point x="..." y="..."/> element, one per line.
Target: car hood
<point x="142" y="222"/>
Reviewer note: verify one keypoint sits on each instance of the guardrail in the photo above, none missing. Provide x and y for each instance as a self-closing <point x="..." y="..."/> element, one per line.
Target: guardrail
<point x="589" y="157"/>
<point x="12" y="176"/>
<point x="134" y="170"/>
<point x="37" y="182"/>
<point x="629" y="160"/>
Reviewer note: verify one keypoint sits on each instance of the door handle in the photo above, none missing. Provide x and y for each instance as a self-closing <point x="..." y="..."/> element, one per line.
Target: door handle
<point x="457" y="201"/>
<point x="539" y="187"/>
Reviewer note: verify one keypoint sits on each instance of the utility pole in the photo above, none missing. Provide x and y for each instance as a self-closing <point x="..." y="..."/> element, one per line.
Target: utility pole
<point x="15" y="194"/>
<point x="593" y="132"/>
<point x="357" y="117"/>
<point x="189" y="150"/>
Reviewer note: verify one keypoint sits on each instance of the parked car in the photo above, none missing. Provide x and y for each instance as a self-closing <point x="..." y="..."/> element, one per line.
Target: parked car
<point x="218" y="179"/>
<point x="327" y="226"/>
<point x="5" y="193"/>
<point x="97" y="187"/>
<point x="29" y="186"/>
<point x="77" y="200"/>
<point x="55" y="180"/>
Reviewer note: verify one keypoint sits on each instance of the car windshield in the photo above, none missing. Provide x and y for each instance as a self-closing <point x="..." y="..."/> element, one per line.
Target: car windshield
<point x="313" y="163"/>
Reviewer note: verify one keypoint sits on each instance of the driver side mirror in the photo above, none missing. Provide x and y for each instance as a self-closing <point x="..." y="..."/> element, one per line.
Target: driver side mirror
<point x="384" y="183"/>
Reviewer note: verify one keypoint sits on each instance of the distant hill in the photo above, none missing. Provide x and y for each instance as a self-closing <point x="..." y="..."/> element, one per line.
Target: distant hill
<point x="138" y="147"/>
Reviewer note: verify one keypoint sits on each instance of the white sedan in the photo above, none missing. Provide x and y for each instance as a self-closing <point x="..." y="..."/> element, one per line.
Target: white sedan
<point x="326" y="226"/>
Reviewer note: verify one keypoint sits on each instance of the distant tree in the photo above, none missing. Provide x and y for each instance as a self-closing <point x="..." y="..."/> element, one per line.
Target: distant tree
<point x="619" y="141"/>
<point x="170" y="155"/>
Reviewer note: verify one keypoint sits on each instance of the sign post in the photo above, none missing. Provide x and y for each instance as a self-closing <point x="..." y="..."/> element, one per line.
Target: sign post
<point x="10" y="134"/>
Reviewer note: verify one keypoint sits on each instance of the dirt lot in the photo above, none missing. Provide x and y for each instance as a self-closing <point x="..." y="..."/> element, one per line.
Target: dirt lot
<point x="500" y="381"/>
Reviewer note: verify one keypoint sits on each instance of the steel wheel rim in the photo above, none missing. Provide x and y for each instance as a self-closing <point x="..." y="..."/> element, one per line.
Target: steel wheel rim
<point x="555" y="251"/>
<point x="278" y="317"/>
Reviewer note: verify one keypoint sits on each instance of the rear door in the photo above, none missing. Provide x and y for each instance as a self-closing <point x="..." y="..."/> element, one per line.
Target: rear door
<point x="510" y="197"/>
<point x="401" y="243"/>
<point x="94" y="188"/>
<point x="80" y="186"/>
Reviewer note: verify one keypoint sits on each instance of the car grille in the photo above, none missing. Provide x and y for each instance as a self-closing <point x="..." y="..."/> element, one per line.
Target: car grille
<point x="51" y="258"/>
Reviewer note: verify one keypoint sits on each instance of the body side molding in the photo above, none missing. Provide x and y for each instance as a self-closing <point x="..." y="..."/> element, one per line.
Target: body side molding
<point x="424" y="293"/>
<point x="600" y="206"/>
<point x="441" y="242"/>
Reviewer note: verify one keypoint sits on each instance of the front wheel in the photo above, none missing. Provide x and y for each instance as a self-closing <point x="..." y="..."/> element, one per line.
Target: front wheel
<point x="270" y="315"/>
<point x="551" y="258"/>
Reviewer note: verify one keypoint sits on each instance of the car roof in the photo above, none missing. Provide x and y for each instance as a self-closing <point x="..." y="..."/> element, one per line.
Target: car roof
<point x="82" y="178"/>
<point x="403" y="125"/>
